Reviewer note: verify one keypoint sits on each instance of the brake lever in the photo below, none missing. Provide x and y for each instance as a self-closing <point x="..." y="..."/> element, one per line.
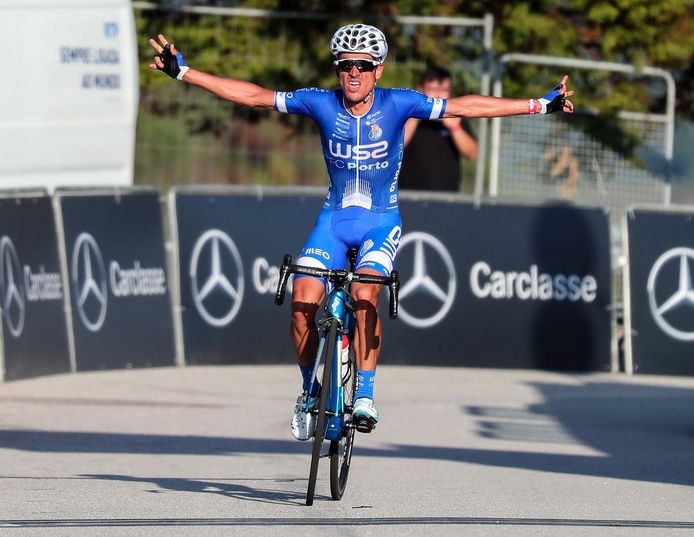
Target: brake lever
<point x="285" y="270"/>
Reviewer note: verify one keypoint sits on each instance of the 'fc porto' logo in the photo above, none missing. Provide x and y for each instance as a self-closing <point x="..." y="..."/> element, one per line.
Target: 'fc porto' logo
<point x="376" y="132"/>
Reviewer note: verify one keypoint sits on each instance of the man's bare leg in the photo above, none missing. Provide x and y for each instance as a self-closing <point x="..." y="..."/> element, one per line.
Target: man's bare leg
<point x="306" y="298"/>
<point x="307" y="295"/>
<point x="367" y="345"/>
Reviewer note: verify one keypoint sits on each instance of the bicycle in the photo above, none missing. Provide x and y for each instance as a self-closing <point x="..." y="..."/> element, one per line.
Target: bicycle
<point x="335" y="352"/>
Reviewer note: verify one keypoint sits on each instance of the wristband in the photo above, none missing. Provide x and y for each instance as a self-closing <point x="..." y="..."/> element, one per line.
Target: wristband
<point x="531" y="107"/>
<point x="183" y="71"/>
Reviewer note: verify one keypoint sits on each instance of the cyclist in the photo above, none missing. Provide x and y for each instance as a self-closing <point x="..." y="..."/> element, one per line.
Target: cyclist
<point x="361" y="128"/>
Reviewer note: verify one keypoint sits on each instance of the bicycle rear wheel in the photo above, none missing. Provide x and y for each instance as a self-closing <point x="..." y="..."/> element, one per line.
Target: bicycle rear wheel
<point x="328" y="349"/>
<point x="341" y="450"/>
<point x="340" y="459"/>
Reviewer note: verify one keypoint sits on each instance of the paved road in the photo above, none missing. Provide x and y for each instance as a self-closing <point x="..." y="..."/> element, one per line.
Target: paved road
<point x="206" y="451"/>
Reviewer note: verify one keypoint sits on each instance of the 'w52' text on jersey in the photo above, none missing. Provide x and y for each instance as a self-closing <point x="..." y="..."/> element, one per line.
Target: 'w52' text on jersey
<point x="363" y="154"/>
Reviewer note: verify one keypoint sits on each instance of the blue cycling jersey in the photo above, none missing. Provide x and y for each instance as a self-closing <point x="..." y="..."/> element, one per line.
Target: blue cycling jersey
<point x="363" y="154"/>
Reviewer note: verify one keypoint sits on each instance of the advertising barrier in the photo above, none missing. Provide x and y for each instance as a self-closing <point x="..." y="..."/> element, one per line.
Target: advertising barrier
<point x="659" y="320"/>
<point x="503" y="286"/>
<point x="117" y="277"/>
<point x="32" y="307"/>
<point x="229" y="249"/>
<point x="489" y="286"/>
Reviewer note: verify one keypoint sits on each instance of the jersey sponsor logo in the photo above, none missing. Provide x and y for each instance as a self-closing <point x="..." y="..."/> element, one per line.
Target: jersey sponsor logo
<point x="367" y="246"/>
<point x="358" y="152"/>
<point x="341" y="128"/>
<point x="374" y="117"/>
<point x="394" y="183"/>
<point x="316" y="251"/>
<point x="341" y="164"/>
<point x="375" y="133"/>
<point x="390" y="246"/>
<point x="312" y="89"/>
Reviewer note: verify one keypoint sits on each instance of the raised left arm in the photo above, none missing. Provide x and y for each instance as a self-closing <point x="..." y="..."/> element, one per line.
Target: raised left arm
<point x="472" y="106"/>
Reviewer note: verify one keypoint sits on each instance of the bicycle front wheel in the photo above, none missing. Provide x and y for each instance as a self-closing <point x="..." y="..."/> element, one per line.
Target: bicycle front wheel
<point x="328" y="349"/>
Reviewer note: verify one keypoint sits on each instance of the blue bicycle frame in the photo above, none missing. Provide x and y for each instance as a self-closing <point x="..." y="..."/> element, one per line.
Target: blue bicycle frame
<point x="339" y="308"/>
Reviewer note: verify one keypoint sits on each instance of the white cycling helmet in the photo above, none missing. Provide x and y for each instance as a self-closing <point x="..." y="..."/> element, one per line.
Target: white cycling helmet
<point x="360" y="38"/>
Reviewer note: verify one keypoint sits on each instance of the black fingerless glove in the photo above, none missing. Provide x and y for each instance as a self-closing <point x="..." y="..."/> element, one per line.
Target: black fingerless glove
<point x="553" y="101"/>
<point x="174" y="65"/>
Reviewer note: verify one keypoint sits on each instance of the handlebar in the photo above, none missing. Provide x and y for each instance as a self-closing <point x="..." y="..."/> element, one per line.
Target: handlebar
<point x="340" y="277"/>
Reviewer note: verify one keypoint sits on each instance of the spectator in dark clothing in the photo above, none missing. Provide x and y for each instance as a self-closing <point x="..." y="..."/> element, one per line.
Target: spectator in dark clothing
<point x="433" y="147"/>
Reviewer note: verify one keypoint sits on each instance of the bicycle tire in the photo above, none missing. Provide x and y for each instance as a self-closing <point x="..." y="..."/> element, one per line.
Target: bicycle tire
<point x="341" y="450"/>
<point x="320" y="425"/>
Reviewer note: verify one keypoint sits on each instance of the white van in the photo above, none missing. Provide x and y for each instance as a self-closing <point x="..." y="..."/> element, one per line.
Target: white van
<point x="68" y="93"/>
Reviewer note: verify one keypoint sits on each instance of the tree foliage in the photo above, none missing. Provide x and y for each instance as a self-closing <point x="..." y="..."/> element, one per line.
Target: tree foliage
<point x="641" y="32"/>
<point x="291" y="52"/>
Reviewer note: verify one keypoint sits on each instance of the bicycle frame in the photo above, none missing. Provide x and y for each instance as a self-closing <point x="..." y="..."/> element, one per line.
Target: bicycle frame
<point x="339" y="310"/>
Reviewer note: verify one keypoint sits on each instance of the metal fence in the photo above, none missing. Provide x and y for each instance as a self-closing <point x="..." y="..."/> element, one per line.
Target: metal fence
<point x="588" y="157"/>
<point x="187" y="136"/>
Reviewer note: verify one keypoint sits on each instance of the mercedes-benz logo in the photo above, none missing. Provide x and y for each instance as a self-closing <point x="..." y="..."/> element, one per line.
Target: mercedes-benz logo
<point x="11" y="290"/>
<point x="216" y="298"/>
<point x="88" y="275"/>
<point x="678" y="296"/>
<point x="442" y="293"/>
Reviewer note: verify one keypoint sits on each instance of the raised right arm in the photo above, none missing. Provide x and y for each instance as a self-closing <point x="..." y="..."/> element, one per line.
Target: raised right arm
<point x="230" y="89"/>
<point x="237" y="91"/>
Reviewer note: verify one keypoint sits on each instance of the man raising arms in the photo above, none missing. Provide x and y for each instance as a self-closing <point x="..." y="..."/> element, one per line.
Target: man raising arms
<point x="362" y="135"/>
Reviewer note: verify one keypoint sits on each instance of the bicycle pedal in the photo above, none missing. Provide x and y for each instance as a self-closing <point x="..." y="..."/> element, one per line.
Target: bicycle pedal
<point x="365" y="425"/>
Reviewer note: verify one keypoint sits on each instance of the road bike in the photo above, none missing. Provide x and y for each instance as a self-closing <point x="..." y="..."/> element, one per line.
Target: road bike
<point x="333" y="413"/>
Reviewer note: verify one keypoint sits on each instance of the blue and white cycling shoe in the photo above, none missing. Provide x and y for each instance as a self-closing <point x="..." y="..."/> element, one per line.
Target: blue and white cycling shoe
<point x="365" y="415"/>
<point x="303" y="424"/>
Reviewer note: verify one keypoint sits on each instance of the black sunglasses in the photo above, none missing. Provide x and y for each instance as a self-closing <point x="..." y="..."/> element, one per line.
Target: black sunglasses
<point x="345" y="65"/>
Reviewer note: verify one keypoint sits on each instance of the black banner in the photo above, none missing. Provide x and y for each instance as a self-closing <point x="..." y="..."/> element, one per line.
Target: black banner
<point x="31" y="289"/>
<point x="661" y="264"/>
<point x="495" y="286"/>
<point x="230" y="247"/>
<point x="503" y="286"/>
<point x="116" y="264"/>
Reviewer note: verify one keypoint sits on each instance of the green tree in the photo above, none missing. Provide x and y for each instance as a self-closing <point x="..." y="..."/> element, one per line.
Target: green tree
<point x="286" y="53"/>
<point x="640" y="32"/>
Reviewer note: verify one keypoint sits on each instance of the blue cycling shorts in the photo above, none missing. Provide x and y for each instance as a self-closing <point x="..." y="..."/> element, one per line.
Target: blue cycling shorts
<point x="376" y="235"/>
